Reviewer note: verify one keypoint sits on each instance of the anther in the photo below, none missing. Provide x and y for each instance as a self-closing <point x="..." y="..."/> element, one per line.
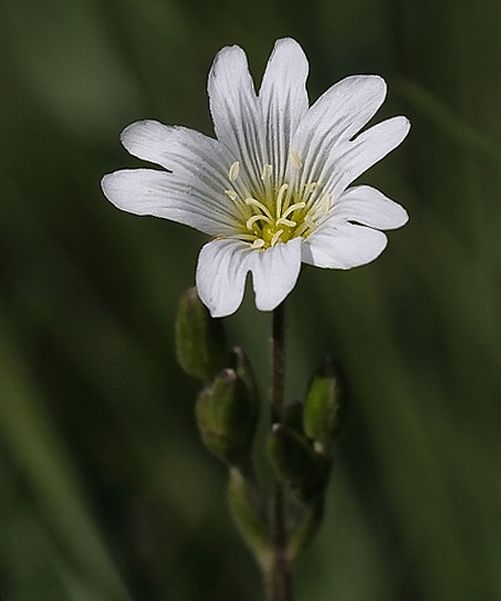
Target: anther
<point x="311" y="186"/>
<point x="252" y="220"/>
<point x="296" y="159"/>
<point x="287" y="222"/>
<point x="266" y="172"/>
<point x="325" y="203"/>
<point x="258" y="243"/>
<point x="234" y="171"/>
<point x="231" y="194"/>
<point x="292" y="208"/>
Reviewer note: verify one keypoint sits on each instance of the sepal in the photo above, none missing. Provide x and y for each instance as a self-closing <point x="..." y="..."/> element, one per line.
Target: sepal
<point x="200" y="340"/>
<point x="248" y="516"/>
<point x="302" y="471"/>
<point x="324" y="408"/>
<point x="227" y="418"/>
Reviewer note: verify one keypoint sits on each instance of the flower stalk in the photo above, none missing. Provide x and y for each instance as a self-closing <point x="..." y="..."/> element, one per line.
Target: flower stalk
<point x="278" y="578"/>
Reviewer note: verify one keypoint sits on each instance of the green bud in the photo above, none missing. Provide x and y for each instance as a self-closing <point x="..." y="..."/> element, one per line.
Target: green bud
<point x="200" y="340"/>
<point x="323" y="415"/>
<point x="296" y="465"/>
<point x="226" y="418"/>
<point x="248" y="515"/>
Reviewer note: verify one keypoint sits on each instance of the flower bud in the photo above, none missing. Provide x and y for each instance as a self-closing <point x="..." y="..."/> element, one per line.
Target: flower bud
<point x="247" y="514"/>
<point x="200" y="340"/>
<point x="296" y="465"/>
<point x="226" y="418"/>
<point x="323" y="414"/>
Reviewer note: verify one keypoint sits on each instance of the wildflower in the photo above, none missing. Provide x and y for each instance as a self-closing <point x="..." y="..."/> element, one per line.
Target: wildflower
<point x="272" y="190"/>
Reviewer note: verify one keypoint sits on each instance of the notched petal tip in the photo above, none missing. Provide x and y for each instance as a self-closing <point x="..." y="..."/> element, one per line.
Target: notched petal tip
<point x="275" y="272"/>
<point x="144" y="129"/>
<point x="220" y="276"/>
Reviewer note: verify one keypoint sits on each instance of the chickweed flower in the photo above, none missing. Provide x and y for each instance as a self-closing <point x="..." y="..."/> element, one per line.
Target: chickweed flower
<point x="273" y="188"/>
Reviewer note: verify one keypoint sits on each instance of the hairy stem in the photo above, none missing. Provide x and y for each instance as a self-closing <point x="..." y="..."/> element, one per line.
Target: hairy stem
<point x="278" y="581"/>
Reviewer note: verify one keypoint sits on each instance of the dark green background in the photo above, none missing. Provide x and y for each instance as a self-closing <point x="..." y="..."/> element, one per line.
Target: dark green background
<point x="106" y="493"/>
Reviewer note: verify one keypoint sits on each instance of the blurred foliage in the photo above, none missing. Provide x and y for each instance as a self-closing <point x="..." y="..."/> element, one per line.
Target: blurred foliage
<point x="105" y="490"/>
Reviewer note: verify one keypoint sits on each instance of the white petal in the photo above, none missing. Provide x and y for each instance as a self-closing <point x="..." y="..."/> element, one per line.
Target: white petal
<point x="201" y="162"/>
<point x="283" y="99"/>
<point x="369" y="206"/>
<point x="335" y="117"/>
<point x="275" y="272"/>
<point x="343" y="110"/>
<point x="343" y="246"/>
<point x="220" y="277"/>
<point x="162" y="194"/>
<point x="235" y="111"/>
<point x="344" y="165"/>
<point x="178" y="149"/>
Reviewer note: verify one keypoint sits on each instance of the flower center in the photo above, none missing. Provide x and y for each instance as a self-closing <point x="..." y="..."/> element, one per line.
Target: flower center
<point x="277" y="212"/>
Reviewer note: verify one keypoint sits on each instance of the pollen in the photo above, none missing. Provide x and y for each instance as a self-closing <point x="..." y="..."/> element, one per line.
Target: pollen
<point x="266" y="172"/>
<point x="310" y="187"/>
<point x="277" y="212"/>
<point x="325" y="203"/>
<point x="296" y="159"/>
<point x="234" y="171"/>
<point x="258" y="243"/>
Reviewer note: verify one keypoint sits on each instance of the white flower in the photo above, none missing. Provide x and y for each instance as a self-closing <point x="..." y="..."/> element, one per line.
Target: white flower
<point x="272" y="189"/>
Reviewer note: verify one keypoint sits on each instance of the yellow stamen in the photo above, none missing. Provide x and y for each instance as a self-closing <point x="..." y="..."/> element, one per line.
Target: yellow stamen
<point x="258" y="243"/>
<point x="231" y="194"/>
<point x="280" y="196"/>
<point x="287" y="222"/>
<point x="276" y="236"/>
<point x="252" y="220"/>
<point x="234" y="171"/>
<point x="292" y="208"/>
<point x="266" y="172"/>
<point x="259" y="205"/>
<point x="296" y="159"/>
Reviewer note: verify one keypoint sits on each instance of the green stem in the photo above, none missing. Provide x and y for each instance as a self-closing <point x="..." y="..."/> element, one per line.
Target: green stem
<point x="278" y="581"/>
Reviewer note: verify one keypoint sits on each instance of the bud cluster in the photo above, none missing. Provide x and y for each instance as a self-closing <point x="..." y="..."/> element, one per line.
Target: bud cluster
<point x="227" y="413"/>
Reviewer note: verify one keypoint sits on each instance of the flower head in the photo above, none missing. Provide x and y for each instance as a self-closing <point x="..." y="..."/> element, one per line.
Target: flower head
<point x="272" y="190"/>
